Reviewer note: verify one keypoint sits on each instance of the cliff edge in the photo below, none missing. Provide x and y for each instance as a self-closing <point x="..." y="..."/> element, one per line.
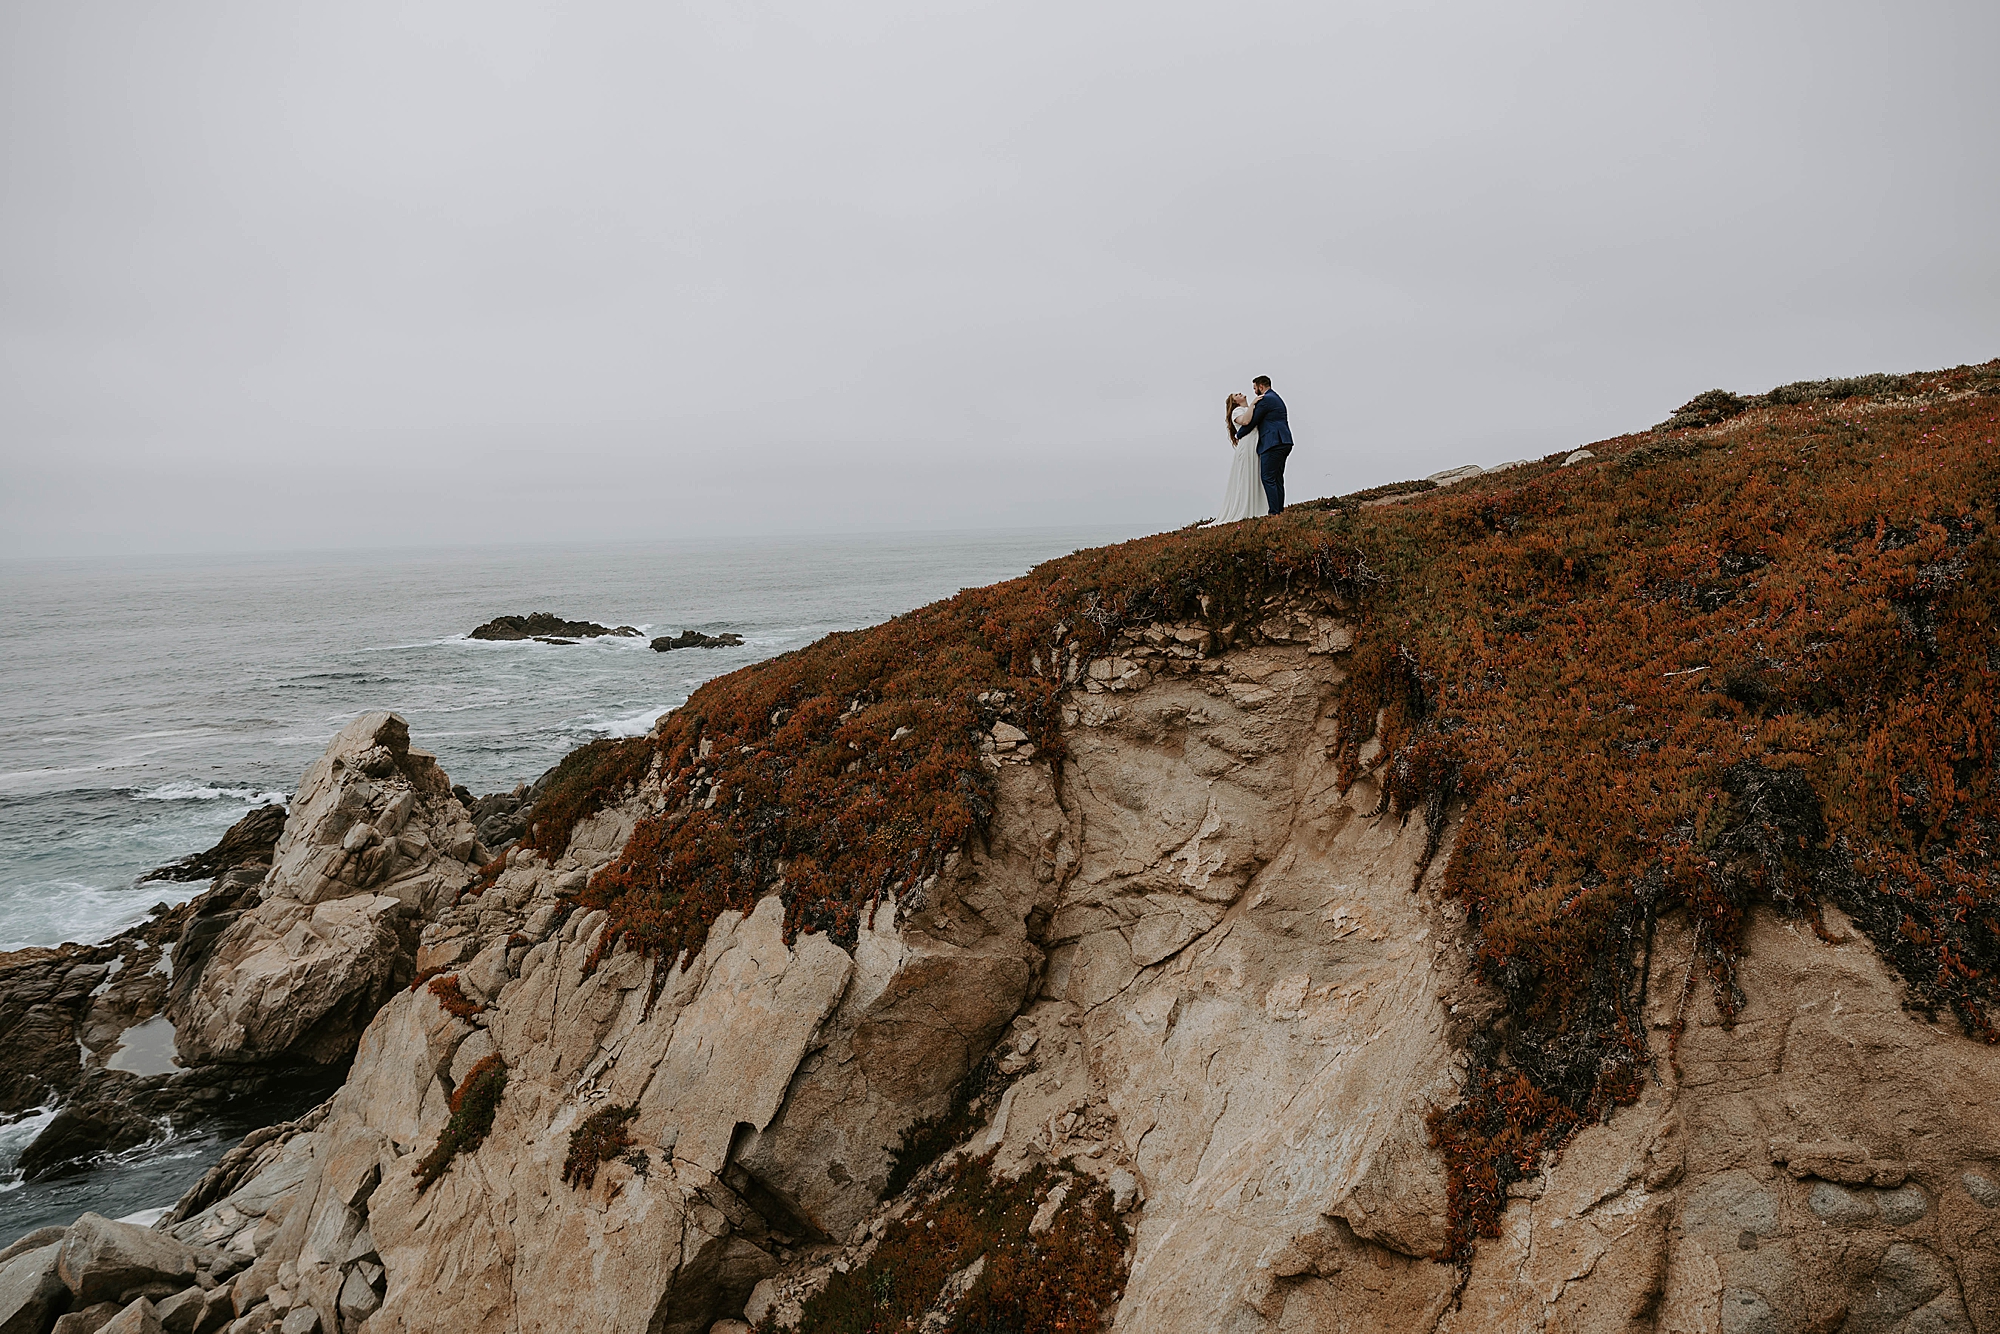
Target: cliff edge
<point x="1557" y="900"/>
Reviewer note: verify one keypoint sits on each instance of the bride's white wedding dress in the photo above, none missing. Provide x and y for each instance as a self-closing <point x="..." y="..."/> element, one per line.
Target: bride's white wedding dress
<point x="1244" y="498"/>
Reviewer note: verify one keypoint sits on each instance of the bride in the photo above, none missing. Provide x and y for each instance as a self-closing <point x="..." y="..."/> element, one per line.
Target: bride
<point x="1244" y="498"/>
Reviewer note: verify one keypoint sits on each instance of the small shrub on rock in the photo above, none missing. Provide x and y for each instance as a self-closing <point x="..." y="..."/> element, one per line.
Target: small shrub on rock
<point x="455" y="1002"/>
<point x="925" y="1141"/>
<point x="604" y="1134"/>
<point x="473" y="1105"/>
<point x="1706" y="409"/>
<point x="1069" y="1278"/>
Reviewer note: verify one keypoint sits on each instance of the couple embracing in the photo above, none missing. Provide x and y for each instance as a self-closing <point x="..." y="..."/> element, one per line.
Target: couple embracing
<point x="1261" y="438"/>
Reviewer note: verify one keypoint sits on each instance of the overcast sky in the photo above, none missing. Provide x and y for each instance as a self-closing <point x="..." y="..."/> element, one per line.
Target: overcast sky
<point x="296" y="275"/>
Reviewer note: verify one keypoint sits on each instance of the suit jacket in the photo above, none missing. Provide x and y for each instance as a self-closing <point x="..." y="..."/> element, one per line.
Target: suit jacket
<point x="1269" y="421"/>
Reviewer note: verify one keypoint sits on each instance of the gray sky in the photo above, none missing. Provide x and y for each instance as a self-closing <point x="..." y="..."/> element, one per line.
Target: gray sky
<point x="304" y="275"/>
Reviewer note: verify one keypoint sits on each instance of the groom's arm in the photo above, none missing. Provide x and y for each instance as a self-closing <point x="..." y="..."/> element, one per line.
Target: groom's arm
<point x="1256" y="418"/>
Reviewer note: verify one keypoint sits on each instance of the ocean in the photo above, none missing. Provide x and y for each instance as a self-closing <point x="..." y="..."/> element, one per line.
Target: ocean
<point x="152" y="701"/>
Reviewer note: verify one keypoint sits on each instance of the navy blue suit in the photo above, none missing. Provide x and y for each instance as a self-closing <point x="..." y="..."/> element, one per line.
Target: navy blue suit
<point x="1274" y="445"/>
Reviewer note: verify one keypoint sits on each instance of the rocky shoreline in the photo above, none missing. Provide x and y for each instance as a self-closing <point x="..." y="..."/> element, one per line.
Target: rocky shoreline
<point x="86" y="1025"/>
<point x="91" y="1026"/>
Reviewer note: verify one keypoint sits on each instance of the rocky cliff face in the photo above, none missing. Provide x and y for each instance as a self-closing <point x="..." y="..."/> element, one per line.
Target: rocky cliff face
<point x="1198" y="989"/>
<point x="1162" y="943"/>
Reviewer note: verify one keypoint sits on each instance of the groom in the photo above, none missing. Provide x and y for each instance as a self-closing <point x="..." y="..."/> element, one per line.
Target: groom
<point x="1274" y="440"/>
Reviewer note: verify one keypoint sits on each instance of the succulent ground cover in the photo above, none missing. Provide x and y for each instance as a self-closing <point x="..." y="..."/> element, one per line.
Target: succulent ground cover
<point x="455" y="1002"/>
<point x="851" y="769"/>
<point x="967" y="1253"/>
<point x="1748" y="656"/>
<point x="1749" y="659"/>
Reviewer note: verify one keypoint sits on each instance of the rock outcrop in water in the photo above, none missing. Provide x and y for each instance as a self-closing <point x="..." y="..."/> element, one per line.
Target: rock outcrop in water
<point x="1203" y="1023"/>
<point x="499" y="818"/>
<point x="546" y="626"/>
<point x="695" y="639"/>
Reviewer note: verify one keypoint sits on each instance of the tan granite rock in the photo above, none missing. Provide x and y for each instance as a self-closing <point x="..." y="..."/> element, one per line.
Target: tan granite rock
<point x="364" y="858"/>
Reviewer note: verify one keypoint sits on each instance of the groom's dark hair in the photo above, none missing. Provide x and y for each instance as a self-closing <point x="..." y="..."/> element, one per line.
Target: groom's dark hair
<point x="1264" y="380"/>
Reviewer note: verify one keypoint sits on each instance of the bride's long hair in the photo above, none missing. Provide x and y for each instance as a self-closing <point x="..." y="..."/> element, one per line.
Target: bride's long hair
<point x="1229" y="416"/>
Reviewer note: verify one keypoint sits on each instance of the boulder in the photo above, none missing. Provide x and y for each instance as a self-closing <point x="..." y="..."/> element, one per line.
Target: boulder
<point x="501" y="817"/>
<point x="31" y="1291"/>
<point x="33" y="1241"/>
<point x="87" y="1321"/>
<point x="180" y="1313"/>
<point x="299" y="983"/>
<point x="358" y="1298"/>
<point x="216" y="1313"/>
<point x="255" y="1320"/>
<point x="100" y="1259"/>
<point x="364" y="858"/>
<point x="81" y="1130"/>
<point x="138" y="1318"/>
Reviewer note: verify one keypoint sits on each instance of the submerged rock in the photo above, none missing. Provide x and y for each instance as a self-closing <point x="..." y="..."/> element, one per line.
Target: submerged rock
<point x="82" y="1130"/>
<point x="549" y="628"/>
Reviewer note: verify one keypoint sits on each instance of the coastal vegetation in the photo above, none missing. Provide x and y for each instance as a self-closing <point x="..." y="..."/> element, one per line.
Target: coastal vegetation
<point x="473" y="1105"/>
<point x="455" y="1002"/>
<point x="1746" y="657"/>
<point x="850" y="769"/>
<point x="602" y="1136"/>
<point x="971" y="1251"/>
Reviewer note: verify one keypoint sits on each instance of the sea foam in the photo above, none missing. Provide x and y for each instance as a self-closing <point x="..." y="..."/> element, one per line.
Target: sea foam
<point x="202" y="792"/>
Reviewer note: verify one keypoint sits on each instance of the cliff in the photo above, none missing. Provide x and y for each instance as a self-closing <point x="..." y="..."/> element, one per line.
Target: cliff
<point x="1557" y="900"/>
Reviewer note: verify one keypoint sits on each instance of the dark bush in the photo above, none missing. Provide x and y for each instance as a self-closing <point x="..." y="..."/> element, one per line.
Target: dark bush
<point x="1067" y="1280"/>
<point x="473" y="1105"/>
<point x="1706" y="409"/>
<point x="604" y="1134"/>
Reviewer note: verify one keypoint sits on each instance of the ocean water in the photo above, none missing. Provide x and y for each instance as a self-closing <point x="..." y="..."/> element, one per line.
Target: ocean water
<point x="151" y="702"/>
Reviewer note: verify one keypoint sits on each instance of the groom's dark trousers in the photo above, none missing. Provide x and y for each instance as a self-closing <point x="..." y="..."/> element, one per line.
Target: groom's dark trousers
<point x="1271" y="466"/>
<point x="1274" y="445"/>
